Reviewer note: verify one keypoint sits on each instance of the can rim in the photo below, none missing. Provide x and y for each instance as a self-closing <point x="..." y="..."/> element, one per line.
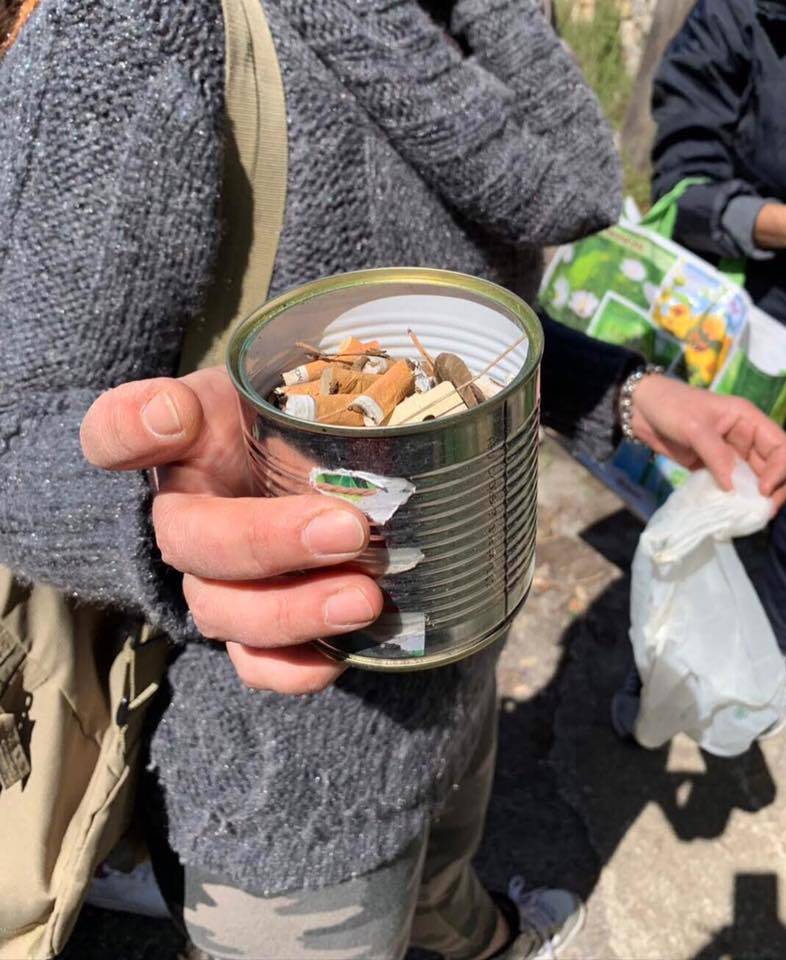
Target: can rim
<point x="522" y="313"/>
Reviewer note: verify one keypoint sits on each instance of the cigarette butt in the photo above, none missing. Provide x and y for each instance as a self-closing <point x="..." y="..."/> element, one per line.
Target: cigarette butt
<point x="349" y="349"/>
<point x="305" y="372"/>
<point x="302" y="407"/>
<point x="344" y="418"/>
<point x="310" y="389"/>
<point x="373" y="414"/>
<point x="444" y="400"/>
<point x="342" y="380"/>
<point x="379" y="401"/>
<point x="333" y="409"/>
<point x="449" y="367"/>
<point x="376" y="365"/>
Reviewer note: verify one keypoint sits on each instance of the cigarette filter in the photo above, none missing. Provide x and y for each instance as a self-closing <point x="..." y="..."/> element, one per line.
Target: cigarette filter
<point x="349" y="349"/>
<point x="310" y="389"/>
<point x="305" y="372"/>
<point x="377" y="365"/>
<point x="342" y="380"/>
<point x="313" y="369"/>
<point x="333" y="409"/>
<point x="380" y="400"/>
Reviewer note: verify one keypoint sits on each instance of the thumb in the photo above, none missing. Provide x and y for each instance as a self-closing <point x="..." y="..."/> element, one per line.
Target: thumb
<point x="717" y="456"/>
<point x="146" y="423"/>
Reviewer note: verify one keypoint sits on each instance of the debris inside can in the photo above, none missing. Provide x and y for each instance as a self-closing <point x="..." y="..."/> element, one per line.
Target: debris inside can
<point x="363" y="385"/>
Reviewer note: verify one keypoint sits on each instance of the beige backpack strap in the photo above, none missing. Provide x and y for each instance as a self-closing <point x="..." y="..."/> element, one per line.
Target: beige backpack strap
<point x="255" y="183"/>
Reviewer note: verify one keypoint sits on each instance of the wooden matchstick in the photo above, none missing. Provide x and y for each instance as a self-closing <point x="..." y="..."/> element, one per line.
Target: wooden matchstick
<point x="484" y="371"/>
<point x="422" y="351"/>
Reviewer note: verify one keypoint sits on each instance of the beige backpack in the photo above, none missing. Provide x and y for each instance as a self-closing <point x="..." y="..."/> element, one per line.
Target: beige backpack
<point x="75" y="680"/>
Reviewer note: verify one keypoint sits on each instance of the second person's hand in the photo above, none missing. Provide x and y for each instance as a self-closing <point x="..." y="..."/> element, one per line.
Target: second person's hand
<point x="237" y="552"/>
<point x="699" y="428"/>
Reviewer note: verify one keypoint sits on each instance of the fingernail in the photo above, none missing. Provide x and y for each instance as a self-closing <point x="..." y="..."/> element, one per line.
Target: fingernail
<point x="334" y="533"/>
<point x="349" y="608"/>
<point x="160" y="416"/>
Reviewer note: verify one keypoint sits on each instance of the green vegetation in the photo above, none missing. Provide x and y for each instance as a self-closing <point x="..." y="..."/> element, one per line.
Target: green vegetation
<point x="597" y="46"/>
<point x="637" y="185"/>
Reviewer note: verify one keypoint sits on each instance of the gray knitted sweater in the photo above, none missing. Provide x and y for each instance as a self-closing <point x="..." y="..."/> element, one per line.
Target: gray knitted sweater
<point x="402" y="150"/>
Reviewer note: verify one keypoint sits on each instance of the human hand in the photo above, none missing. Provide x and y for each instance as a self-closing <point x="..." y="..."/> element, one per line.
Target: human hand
<point x="769" y="231"/>
<point x="236" y="551"/>
<point x="698" y="428"/>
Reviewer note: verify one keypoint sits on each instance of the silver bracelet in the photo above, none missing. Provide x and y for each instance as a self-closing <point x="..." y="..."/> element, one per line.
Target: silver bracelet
<point x="625" y="403"/>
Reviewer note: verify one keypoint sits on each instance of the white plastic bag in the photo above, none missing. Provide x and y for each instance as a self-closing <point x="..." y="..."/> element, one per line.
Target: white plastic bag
<point x="708" y="659"/>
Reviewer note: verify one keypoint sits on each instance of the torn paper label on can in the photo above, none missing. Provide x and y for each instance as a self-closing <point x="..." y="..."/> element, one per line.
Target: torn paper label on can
<point x="396" y="634"/>
<point x="384" y="562"/>
<point x="378" y="497"/>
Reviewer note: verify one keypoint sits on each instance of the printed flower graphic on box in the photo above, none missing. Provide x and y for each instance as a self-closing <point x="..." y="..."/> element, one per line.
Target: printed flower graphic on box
<point x="725" y="350"/>
<point x="702" y="363"/>
<point x="650" y="292"/>
<point x="634" y="270"/>
<point x="584" y="303"/>
<point x="705" y="336"/>
<point x="672" y="301"/>
<point x="561" y="292"/>
<point x="737" y="312"/>
<point x="713" y="327"/>
<point x="676" y="318"/>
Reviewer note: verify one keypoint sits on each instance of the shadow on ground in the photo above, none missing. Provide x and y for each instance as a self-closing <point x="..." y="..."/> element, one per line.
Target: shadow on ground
<point x="755" y="932"/>
<point x="567" y="790"/>
<point x="101" y="935"/>
<point x="559" y="760"/>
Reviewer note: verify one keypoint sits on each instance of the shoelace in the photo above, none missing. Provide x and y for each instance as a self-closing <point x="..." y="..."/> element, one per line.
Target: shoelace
<point x="534" y="913"/>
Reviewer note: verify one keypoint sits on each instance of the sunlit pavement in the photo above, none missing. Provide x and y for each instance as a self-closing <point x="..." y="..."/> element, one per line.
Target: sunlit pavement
<point x="679" y="855"/>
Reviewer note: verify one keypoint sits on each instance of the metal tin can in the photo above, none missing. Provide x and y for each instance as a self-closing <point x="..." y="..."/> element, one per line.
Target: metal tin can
<point x="452" y="501"/>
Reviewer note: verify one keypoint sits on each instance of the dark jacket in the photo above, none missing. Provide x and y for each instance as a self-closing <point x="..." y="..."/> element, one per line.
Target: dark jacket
<point x="720" y="107"/>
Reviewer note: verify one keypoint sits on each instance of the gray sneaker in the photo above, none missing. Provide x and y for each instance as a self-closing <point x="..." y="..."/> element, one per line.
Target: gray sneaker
<point x="548" y="921"/>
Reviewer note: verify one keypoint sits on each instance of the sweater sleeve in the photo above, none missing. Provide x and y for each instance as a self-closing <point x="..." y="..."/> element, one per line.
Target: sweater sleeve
<point x="580" y="381"/>
<point x="108" y="231"/>
<point x="698" y="99"/>
<point x="515" y="42"/>
<point x="62" y="522"/>
<point x="739" y="225"/>
<point x="511" y="137"/>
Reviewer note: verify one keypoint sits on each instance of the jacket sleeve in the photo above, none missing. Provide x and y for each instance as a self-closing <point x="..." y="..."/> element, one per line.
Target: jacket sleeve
<point x="94" y="293"/>
<point x="697" y="103"/>
<point x="511" y="137"/>
<point x="580" y="382"/>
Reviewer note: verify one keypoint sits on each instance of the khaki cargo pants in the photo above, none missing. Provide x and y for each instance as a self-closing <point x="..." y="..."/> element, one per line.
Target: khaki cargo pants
<point x="430" y="897"/>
